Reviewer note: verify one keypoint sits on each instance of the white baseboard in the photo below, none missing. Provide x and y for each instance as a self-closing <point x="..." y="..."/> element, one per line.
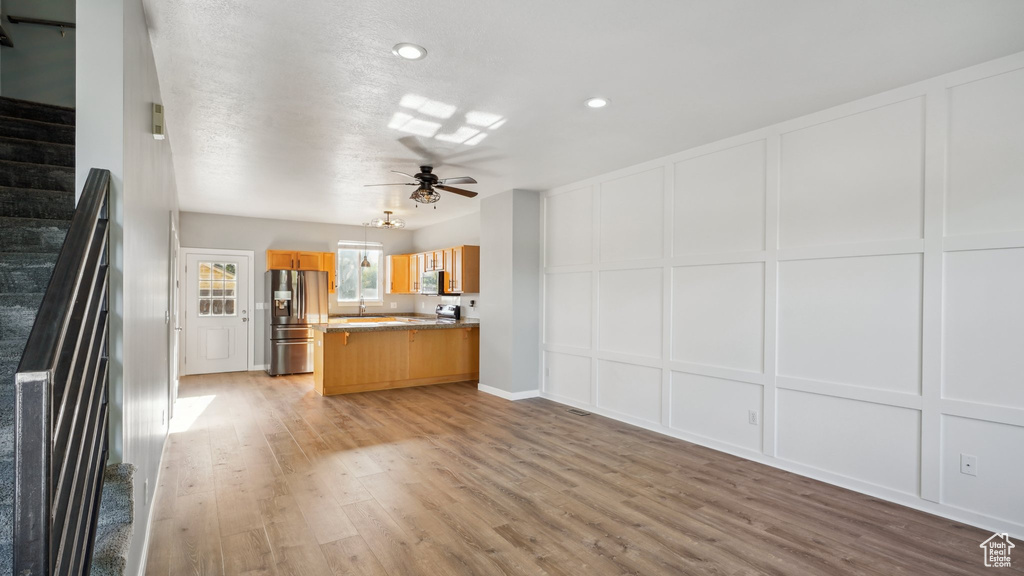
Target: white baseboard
<point x="262" y="367"/>
<point x="977" y="519"/>
<point x="508" y="395"/>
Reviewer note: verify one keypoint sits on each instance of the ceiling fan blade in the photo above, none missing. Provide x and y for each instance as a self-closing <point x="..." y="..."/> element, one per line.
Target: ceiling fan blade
<point x="458" y="191"/>
<point x="413" y="144"/>
<point x="394" y="184"/>
<point x="459" y="180"/>
<point x="410" y="176"/>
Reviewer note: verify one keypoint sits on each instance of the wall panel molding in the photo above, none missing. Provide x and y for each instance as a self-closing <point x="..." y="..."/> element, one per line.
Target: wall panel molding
<point x="883" y="299"/>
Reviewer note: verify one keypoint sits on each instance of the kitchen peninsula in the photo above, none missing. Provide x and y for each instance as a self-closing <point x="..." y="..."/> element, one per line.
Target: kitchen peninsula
<point x="360" y="354"/>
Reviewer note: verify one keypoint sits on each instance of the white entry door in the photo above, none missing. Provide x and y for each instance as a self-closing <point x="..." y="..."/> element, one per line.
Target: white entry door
<point x="216" y="312"/>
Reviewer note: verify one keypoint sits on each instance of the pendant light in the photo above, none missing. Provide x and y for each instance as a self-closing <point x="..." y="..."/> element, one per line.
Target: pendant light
<point x="366" y="261"/>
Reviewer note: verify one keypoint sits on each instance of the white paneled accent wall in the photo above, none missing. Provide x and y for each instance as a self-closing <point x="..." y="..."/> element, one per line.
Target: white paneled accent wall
<point x="840" y="295"/>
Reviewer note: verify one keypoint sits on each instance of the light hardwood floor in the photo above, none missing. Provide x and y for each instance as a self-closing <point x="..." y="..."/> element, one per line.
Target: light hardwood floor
<point x="272" y="479"/>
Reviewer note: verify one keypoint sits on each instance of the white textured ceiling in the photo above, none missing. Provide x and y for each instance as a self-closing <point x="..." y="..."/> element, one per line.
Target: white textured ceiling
<point x="285" y="109"/>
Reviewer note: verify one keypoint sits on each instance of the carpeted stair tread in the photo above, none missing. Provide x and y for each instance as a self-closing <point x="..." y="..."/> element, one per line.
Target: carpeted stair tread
<point x="37" y="181"/>
<point x="37" y="111"/>
<point x="110" y="556"/>
<point x="25" y="272"/>
<point x="21" y="150"/>
<point x="33" y="203"/>
<point x="33" y="235"/>
<point x="118" y="505"/>
<point x="6" y="555"/>
<point x="36" y="130"/>
<point x="38" y="176"/>
<point x="17" y="314"/>
<point x="7" y="486"/>
<point x="114" y="529"/>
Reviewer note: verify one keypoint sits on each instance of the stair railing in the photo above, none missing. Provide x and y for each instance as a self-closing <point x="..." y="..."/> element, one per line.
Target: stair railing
<point x="61" y="402"/>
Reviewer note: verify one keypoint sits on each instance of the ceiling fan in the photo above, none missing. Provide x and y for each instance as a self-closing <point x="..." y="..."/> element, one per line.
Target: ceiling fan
<point x="426" y="182"/>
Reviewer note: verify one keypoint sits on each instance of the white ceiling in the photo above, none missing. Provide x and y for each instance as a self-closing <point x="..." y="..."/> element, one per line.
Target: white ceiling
<point x="285" y="109"/>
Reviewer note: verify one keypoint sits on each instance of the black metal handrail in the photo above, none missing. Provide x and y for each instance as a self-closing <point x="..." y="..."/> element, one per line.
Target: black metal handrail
<point x="61" y="401"/>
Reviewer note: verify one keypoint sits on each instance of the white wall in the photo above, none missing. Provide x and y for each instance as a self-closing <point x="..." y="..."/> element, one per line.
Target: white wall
<point x="510" y="278"/>
<point x="116" y="86"/>
<point x="854" y="278"/>
<point x="259" y="235"/>
<point x="41" y="66"/>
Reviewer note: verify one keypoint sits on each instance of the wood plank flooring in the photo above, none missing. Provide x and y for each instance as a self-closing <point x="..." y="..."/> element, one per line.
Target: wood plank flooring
<point x="272" y="479"/>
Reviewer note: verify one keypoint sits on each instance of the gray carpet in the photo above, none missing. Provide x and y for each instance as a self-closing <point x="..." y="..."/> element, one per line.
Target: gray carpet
<point x="36" y="204"/>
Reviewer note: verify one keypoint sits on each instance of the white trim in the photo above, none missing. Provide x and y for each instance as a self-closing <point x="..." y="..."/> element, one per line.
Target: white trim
<point x="263" y="367"/>
<point x="149" y="519"/>
<point x="183" y="255"/>
<point x="508" y="395"/>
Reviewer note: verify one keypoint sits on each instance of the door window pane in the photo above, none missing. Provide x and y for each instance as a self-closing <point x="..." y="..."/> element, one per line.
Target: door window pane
<point x="218" y="288"/>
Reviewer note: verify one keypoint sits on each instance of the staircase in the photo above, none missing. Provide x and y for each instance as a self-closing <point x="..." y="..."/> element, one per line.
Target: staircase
<point x="37" y="198"/>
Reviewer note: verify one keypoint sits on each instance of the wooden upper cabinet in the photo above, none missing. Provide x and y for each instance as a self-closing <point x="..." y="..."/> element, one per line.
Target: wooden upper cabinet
<point x="295" y="260"/>
<point x="467" y="269"/>
<point x="433" y="260"/>
<point x="422" y="261"/>
<point x="328" y="264"/>
<point x="461" y="265"/>
<point x="308" y="261"/>
<point x="415" y="272"/>
<point x="280" y="260"/>
<point x="398" y="268"/>
<point x="462" y="269"/>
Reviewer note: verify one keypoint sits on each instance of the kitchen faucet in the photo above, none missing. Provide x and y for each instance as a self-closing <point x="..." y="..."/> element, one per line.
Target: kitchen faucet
<point x="362" y="306"/>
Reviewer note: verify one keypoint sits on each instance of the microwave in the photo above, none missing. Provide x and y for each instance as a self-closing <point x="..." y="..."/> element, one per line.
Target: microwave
<point x="432" y="283"/>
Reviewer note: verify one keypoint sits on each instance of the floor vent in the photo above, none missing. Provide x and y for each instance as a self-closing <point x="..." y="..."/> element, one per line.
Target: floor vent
<point x="578" y="412"/>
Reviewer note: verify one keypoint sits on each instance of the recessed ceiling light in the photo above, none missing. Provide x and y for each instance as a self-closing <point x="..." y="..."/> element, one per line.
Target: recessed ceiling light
<point x="597" y="102"/>
<point x="409" y="51"/>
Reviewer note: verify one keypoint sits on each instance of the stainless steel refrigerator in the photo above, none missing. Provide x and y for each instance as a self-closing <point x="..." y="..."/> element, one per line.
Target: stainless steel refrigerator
<point x="298" y="299"/>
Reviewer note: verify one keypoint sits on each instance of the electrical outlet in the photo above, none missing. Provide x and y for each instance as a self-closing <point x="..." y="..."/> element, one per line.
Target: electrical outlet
<point x="968" y="464"/>
<point x="423" y="305"/>
<point x="752" y="417"/>
<point x="394" y="304"/>
<point x="145" y="491"/>
<point x="163" y="416"/>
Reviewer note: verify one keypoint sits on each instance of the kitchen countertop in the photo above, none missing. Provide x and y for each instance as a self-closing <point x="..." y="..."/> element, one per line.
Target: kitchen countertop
<point x="393" y="322"/>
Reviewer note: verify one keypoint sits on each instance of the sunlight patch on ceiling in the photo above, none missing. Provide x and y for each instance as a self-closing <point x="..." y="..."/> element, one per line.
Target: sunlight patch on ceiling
<point x="427" y="106"/>
<point x="412" y="125"/>
<point x="421" y="123"/>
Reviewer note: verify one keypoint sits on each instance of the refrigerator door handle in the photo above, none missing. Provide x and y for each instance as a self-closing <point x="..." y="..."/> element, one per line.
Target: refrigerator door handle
<point x="300" y="307"/>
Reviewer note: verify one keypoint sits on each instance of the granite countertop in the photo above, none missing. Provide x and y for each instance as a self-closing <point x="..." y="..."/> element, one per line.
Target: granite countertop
<point x="393" y="322"/>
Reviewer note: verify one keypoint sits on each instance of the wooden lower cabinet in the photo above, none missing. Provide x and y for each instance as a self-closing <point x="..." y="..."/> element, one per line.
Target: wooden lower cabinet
<point x="346" y="362"/>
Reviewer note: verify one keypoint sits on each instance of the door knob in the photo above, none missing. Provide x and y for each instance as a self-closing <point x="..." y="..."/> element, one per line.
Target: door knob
<point x="245" y="319"/>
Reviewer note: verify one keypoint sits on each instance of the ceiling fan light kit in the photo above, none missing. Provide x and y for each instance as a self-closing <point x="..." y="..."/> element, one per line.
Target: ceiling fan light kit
<point x="426" y="182"/>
